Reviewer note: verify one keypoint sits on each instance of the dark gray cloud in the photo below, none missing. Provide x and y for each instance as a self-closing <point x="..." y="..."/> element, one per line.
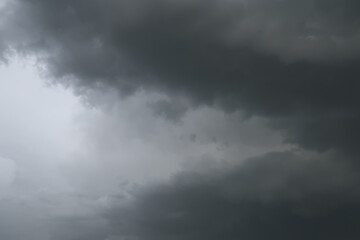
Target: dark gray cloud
<point x="277" y="196"/>
<point x="295" y="62"/>
<point x="291" y="62"/>
<point x="173" y="110"/>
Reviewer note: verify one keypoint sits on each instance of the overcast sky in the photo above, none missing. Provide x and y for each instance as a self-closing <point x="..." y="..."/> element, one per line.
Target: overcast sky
<point x="179" y="119"/>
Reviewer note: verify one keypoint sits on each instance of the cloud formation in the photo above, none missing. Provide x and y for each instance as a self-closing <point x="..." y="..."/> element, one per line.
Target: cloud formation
<point x="66" y="162"/>
<point x="276" y="196"/>
<point x="293" y="61"/>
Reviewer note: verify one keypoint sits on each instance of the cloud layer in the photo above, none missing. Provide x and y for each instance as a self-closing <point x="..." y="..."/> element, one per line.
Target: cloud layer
<point x="200" y="65"/>
<point x="293" y="61"/>
<point x="277" y="196"/>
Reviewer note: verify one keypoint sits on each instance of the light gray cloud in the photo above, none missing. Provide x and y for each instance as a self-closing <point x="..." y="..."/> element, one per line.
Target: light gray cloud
<point x="69" y="163"/>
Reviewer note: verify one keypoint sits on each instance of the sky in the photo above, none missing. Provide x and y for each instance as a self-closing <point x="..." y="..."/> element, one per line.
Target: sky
<point x="179" y="119"/>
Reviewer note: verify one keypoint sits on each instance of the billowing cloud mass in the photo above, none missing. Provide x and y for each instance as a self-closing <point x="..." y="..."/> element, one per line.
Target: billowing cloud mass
<point x="214" y="74"/>
<point x="277" y="196"/>
<point x="293" y="61"/>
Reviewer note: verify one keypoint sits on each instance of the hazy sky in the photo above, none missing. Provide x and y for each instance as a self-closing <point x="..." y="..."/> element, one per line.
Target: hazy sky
<point x="179" y="119"/>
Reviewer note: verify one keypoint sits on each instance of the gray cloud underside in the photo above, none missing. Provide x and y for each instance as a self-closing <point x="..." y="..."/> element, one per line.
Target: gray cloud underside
<point x="295" y="62"/>
<point x="277" y="196"/>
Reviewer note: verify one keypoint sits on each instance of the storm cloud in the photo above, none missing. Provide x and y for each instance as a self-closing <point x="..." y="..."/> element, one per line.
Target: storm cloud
<point x="276" y="196"/>
<point x="295" y="62"/>
<point x="214" y="74"/>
